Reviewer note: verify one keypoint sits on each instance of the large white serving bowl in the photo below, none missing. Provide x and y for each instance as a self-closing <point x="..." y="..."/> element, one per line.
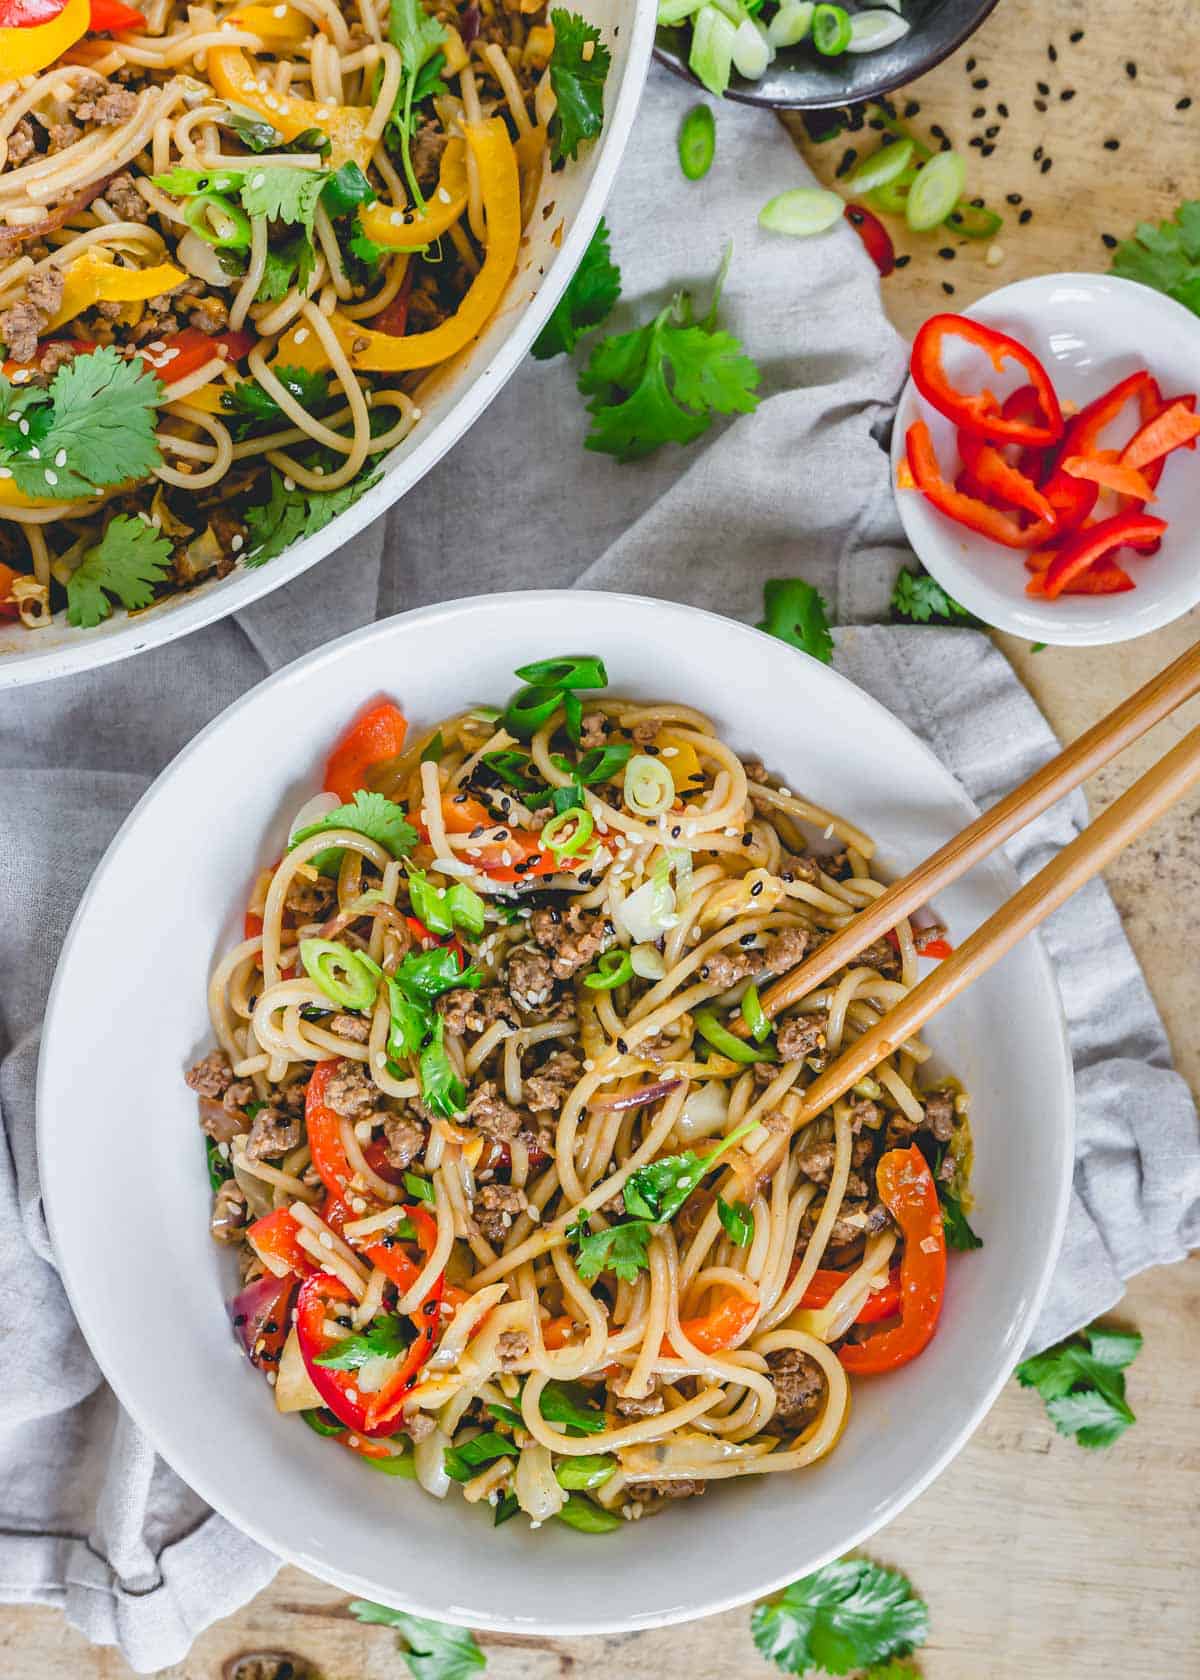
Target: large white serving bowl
<point x="127" y="1195"/>
<point x="563" y="221"/>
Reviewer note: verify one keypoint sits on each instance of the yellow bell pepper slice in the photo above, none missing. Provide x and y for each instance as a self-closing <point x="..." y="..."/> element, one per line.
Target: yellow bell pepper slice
<point x="680" y="758"/>
<point x="25" y="51"/>
<point x="391" y="228"/>
<point x="378" y="352"/>
<point x="232" y="75"/>
<point x="94" y="278"/>
<point x="10" y="496"/>
<point x="277" y="26"/>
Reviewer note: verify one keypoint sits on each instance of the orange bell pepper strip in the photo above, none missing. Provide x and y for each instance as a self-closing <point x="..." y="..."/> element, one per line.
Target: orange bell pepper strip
<point x="525" y="857"/>
<point x="404" y="231"/>
<point x="234" y="78"/>
<point x="375" y="736"/>
<point x="29" y="46"/>
<point x="1110" y="472"/>
<point x="906" y="1188"/>
<point x="722" y="1327"/>
<point x="379" y="352"/>
<point x="1175" y="426"/>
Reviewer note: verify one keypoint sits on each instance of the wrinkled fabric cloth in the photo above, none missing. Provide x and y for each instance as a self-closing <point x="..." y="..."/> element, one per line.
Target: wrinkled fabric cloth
<point x="90" y="1520"/>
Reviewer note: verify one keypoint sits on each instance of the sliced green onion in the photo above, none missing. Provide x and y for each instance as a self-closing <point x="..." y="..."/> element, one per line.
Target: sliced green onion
<point x="512" y="769"/>
<point x="752" y="52"/>
<point x="674" y="12"/>
<point x="880" y="167"/>
<point x="972" y="221"/>
<point x="342" y="974"/>
<point x="431" y="752"/>
<point x="529" y="709"/>
<point x="573" y="715"/>
<point x="936" y="190"/>
<point x="737" y="1221"/>
<point x="485" y="714"/>
<point x="569" y="670"/>
<point x="791" y="23"/>
<point x="506" y="1414"/>
<point x="648" y="788"/>
<point x="737" y="1050"/>
<point x="801" y="212"/>
<point x="711" y="57"/>
<point x="581" y="1513"/>
<point x="680" y="860"/>
<point x="399" y="1464"/>
<point x="752" y="1014"/>
<point x="218" y="221"/>
<point x="872" y="31"/>
<point x="466" y="908"/>
<point x="831" y="30"/>
<point x="892" y="197"/>
<point x="504" y="1509"/>
<point x="565" y="834"/>
<point x="600" y="764"/>
<point x="429" y="905"/>
<point x="612" y="970"/>
<point x="316" y="1418"/>
<point x="589" y="1470"/>
<point x="697" y="142"/>
<point x="419" y="1187"/>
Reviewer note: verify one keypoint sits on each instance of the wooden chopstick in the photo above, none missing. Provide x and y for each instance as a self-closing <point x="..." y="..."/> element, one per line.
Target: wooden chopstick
<point x="1124" y="820"/>
<point x="1130" y="720"/>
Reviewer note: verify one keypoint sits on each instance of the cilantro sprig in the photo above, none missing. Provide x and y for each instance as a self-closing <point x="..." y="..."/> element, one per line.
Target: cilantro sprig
<point x="288" y="515"/>
<point x="92" y="428"/>
<point x="1082" y="1382"/>
<point x="386" y="1337"/>
<point x="797" y="613"/>
<point x="421" y="40"/>
<point x="850" y="1615"/>
<point x="588" y="300"/>
<point x="370" y="814"/>
<point x="922" y="599"/>
<point x="579" y="65"/>
<point x="1166" y="256"/>
<point x="431" y="1650"/>
<point x="664" y="382"/>
<point x="130" y="558"/>
<point x="249" y="409"/>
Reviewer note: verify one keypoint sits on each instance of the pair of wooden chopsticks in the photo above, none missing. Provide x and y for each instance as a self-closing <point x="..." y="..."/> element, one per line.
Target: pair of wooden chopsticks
<point x="1128" y="816"/>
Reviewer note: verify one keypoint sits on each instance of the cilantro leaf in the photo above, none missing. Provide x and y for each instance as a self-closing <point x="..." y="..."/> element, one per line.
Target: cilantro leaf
<point x="737" y="1221"/>
<point x="255" y="134"/>
<point x="849" y="1615"/>
<point x="797" y="613"/>
<point x="130" y="558"/>
<point x="427" y="974"/>
<point x="662" y="383"/>
<point x="957" y="1226"/>
<point x="1166" y="257"/>
<point x="294" y="259"/>
<point x="219" y="1167"/>
<point x="250" y="409"/>
<point x="98" y="430"/>
<point x="658" y="1190"/>
<point x="434" y="1651"/>
<point x="442" y="1091"/>
<point x="594" y="289"/>
<point x="923" y="600"/>
<point x="1082" y="1383"/>
<point x="566" y="1403"/>
<point x="420" y="39"/>
<point x="283" y="194"/>
<point x="288" y="515"/>
<point x="384" y="1338"/>
<point x="345" y="189"/>
<point x="370" y="814"/>
<point x="621" y="1249"/>
<point x="364" y="249"/>
<point x="577" y="76"/>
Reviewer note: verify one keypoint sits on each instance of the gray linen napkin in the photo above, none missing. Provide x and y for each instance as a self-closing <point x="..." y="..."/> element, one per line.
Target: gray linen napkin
<point x="89" y="1519"/>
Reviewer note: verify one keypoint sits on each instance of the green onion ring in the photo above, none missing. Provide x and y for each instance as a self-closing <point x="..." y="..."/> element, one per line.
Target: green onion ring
<point x="711" y="1030"/>
<point x="580" y="825"/>
<point x="613" y="969"/>
<point x="205" y="213"/>
<point x="569" y="670"/>
<point x="342" y="974"/>
<point x="752" y="1014"/>
<point x="529" y="709"/>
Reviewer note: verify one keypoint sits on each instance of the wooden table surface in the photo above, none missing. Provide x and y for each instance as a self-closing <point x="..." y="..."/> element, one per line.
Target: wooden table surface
<point x="1039" y="1561"/>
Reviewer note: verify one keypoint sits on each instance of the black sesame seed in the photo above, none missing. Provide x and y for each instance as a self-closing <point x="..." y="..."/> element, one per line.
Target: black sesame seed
<point x="676" y="832"/>
<point x="986" y="151"/>
<point x="756" y="889"/>
<point x="991" y="133"/>
<point x="1067" y="94"/>
<point x="1184" y="104"/>
<point x="1002" y="109"/>
<point x="979" y="111"/>
<point x="977" y="204"/>
<point x="1014" y="198"/>
<point x="1025" y="216"/>
<point x="903" y="261"/>
<point x="980" y="83"/>
<point x="975" y="140"/>
<point x="1131" y="70"/>
<point x="912" y="108"/>
<point x="947" y="253"/>
<point x="970" y="65"/>
<point x="947" y="288"/>
<point x="747" y="939"/>
<point x="1076" y="36"/>
<point x="848" y="160"/>
<point x="1043" y="87"/>
<point x="1052" y="54"/>
<point x="1040" y="105"/>
<point x="944" y="143"/>
<point x="1047" y="164"/>
<point x="1039" y="153"/>
<point x="1107" y="240"/>
<point x="239" y="1318"/>
<point x="1112" y="145"/>
<point x="459" y="799"/>
<point x="622" y="1047"/>
<point x="938" y="132"/>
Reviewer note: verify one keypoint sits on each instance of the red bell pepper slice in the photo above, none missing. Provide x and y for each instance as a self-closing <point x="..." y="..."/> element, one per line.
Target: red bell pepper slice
<point x="981" y="412"/>
<point x="393" y="317"/>
<point x="965" y="510"/>
<point x="193" y="348"/>
<point x="111" y="16"/>
<point x="371" y="739"/>
<point x="1175" y="426"/>
<point x="1097" y="542"/>
<point x="1083" y="430"/>
<point x="323" y="1126"/>
<point x="1104" y="578"/>
<point x="1108" y="471"/>
<point x="367" y="1414"/>
<point x="875" y="237"/>
<point x="906" y="1188"/>
<point x="1001" y="481"/>
<point x="275" y="1238"/>
<point x="720" y="1328"/>
<point x="880" y="1303"/>
<point x="1072" y="500"/>
<point x="1023" y="404"/>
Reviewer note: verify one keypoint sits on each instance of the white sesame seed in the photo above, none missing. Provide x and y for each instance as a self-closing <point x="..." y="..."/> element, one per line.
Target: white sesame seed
<point x="238" y="542"/>
<point x="444" y="196"/>
<point x="786" y="792"/>
<point x="325" y="1240"/>
<point x="5" y="472"/>
<point x="506" y="859"/>
<point x="35" y="453"/>
<point x="289" y="484"/>
<point x="352" y="1396"/>
<point x="353" y="1441"/>
<point x="279" y="11"/>
<point x="272" y="1378"/>
<point x="300" y="335"/>
<point x="22" y="376"/>
<point x="60" y="460"/>
<point x="23" y="427"/>
<point x="157" y="347"/>
<point x="396" y="218"/>
<point x="358" y="1204"/>
<point x="257" y="180"/>
<point x="828" y="835"/>
<point x="51" y="476"/>
<point x="416" y="413"/>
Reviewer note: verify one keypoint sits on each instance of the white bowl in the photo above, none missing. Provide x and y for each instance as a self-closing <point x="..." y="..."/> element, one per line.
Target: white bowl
<point x="567" y="210"/>
<point x="118" y="1132"/>
<point x="1089" y="331"/>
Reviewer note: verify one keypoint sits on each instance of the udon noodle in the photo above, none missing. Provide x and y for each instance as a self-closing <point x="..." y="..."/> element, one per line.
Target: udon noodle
<point x="285" y="217"/>
<point x="506" y="1143"/>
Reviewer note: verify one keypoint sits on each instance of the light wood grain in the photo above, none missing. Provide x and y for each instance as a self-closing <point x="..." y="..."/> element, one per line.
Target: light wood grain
<point x="1039" y="1561"/>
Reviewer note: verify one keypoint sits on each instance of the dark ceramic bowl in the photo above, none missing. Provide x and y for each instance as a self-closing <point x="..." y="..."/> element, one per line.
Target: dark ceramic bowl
<point x="801" y="80"/>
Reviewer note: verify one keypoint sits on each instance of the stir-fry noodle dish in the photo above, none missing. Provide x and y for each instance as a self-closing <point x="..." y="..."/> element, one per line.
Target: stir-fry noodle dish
<point x="235" y="240"/>
<point x="509" y="1150"/>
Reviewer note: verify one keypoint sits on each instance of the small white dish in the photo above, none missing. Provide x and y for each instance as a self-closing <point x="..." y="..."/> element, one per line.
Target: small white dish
<point x="1089" y="331"/>
<point x="148" y="1285"/>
